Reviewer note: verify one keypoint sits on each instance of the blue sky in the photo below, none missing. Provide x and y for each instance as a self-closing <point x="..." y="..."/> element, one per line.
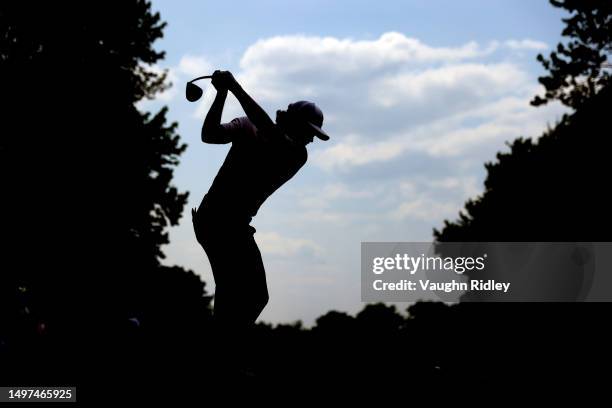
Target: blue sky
<point x="417" y="95"/>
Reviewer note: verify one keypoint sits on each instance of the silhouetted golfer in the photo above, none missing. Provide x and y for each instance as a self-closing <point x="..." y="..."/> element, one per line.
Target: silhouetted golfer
<point x="264" y="156"/>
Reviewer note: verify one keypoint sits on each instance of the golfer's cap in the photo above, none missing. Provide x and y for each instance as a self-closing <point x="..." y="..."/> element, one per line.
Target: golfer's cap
<point x="310" y="114"/>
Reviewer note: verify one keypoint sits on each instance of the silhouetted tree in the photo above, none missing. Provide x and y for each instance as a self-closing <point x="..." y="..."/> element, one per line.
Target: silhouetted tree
<point x="336" y="325"/>
<point x="86" y="190"/>
<point x="379" y="319"/>
<point x="576" y="69"/>
<point x="550" y="189"/>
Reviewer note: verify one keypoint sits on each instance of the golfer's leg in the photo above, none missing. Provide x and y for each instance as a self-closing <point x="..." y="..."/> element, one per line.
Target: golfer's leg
<point x="249" y="296"/>
<point x="240" y="295"/>
<point x="223" y="335"/>
<point x="229" y="322"/>
<point x="259" y="288"/>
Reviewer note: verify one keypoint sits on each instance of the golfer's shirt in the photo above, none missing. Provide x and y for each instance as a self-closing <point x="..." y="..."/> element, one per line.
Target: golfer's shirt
<point x="256" y="165"/>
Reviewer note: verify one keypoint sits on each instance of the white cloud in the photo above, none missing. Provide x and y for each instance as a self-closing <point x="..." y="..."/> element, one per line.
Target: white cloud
<point x="273" y="243"/>
<point x="467" y="186"/>
<point x="351" y="55"/>
<point x="526" y="44"/>
<point x="389" y="96"/>
<point x="461" y="85"/>
<point x="348" y="154"/>
<point x="457" y="136"/>
<point x="424" y="208"/>
<point x="339" y="72"/>
<point x="322" y="197"/>
<point x="431" y="199"/>
<point x="192" y="66"/>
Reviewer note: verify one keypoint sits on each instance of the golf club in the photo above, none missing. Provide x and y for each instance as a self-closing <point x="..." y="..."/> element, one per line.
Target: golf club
<point x="194" y="92"/>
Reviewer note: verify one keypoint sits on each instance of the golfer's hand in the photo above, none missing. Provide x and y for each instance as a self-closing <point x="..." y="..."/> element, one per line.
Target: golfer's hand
<point x="223" y="80"/>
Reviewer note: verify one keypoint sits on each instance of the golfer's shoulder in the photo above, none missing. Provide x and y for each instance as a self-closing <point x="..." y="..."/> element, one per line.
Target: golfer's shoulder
<point x="240" y="129"/>
<point x="243" y="124"/>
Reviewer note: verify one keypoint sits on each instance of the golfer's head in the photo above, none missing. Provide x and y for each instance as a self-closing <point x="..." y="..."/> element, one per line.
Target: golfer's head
<point x="303" y="121"/>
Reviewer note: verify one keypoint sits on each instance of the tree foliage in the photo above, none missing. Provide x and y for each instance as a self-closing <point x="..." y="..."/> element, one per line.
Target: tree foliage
<point x="580" y="68"/>
<point x="87" y="194"/>
<point x="551" y="188"/>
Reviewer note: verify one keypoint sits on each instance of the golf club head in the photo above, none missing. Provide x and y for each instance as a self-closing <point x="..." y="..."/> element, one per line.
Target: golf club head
<point x="193" y="92"/>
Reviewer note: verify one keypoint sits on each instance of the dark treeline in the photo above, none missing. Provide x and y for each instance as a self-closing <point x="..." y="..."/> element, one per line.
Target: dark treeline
<point x="87" y="197"/>
<point x="552" y="188"/>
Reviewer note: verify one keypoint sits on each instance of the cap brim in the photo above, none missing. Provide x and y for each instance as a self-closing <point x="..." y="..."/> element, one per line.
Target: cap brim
<point x="318" y="131"/>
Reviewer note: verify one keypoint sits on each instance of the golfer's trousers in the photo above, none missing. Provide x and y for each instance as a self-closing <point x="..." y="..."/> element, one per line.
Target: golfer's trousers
<point x="240" y="278"/>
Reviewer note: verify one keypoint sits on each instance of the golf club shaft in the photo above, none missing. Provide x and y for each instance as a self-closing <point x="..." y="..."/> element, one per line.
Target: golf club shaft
<point x="202" y="77"/>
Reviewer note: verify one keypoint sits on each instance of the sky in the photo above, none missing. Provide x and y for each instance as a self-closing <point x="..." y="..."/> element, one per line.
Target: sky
<point x="417" y="96"/>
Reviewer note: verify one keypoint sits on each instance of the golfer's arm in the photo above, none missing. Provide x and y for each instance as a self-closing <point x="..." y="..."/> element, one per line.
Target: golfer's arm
<point x="212" y="131"/>
<point x="254" y="112"/>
